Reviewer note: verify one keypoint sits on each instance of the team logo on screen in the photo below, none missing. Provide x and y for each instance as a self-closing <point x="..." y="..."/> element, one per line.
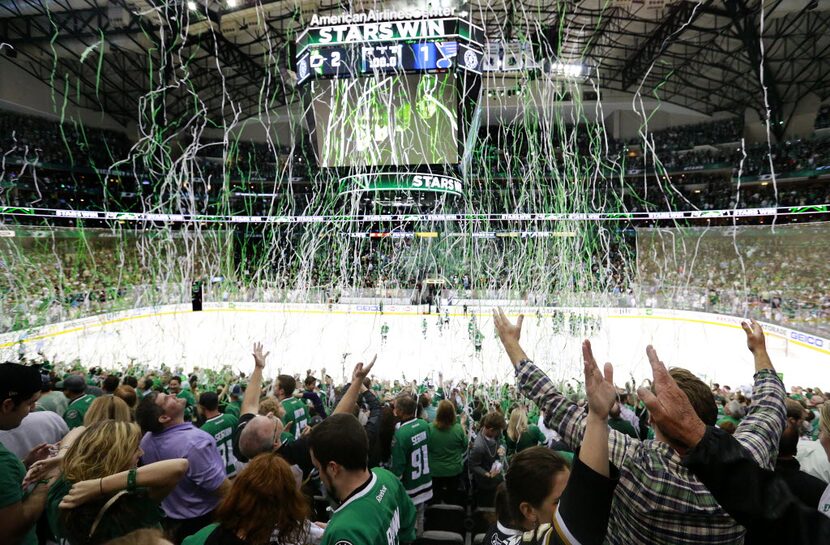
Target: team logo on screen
<point x="302" y="69"/>
<point x="470" y="59"/>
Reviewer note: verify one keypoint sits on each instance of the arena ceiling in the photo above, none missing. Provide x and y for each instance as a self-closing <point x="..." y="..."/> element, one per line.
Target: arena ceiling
<point x="708" y="56"/>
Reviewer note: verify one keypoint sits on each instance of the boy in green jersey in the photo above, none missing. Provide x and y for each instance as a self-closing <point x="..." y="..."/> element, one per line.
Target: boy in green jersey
<point x="296" y="411"/>
<point x="375" y="508"/>
<point x="220" y="427"/>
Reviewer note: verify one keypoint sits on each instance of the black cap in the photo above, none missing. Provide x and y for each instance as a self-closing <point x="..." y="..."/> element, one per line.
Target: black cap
<point x="72" y="383"/>
<point x="19" y="382"/>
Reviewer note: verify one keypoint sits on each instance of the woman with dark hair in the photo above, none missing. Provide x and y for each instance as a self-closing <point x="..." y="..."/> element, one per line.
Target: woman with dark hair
<point x="447" y="444"/>
<point x="264" y="506"/>
<point x="553" y="504"/>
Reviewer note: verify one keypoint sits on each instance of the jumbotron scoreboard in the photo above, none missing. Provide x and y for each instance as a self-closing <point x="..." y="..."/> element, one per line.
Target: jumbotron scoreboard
<point x="388" y="90"/>
<point x="363" y="44"/>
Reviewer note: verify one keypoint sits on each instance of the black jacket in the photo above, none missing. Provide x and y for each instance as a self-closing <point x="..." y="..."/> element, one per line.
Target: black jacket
<point x="757" y="498"/>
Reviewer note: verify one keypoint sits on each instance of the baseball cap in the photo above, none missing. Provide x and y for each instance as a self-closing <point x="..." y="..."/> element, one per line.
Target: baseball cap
<point x="236" y="390"/>
<point x="73" y="383"/>
<point x="19" y="381"/>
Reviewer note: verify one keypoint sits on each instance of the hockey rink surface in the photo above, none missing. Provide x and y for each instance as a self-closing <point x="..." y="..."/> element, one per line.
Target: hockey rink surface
<point x="417" y="345"/>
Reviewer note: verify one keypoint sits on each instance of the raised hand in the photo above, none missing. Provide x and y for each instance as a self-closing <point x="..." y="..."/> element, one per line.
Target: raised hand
<point x="754" y="336"/>
<point x="259" y="357"/>
<point x="361" y="372"/>
<point x="669" y="407"/>
<point x="600" y="389"/>
<point x="509" y="333"/>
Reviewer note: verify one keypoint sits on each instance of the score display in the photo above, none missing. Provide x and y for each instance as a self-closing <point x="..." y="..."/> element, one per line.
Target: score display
<point x="367" y="59"/>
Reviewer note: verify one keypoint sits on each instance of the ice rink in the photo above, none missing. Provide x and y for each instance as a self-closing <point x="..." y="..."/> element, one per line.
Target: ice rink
<point x="306" y="336"/>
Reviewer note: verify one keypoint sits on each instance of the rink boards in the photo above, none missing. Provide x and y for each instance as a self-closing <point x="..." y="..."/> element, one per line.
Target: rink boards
<point x="335" y="337"/>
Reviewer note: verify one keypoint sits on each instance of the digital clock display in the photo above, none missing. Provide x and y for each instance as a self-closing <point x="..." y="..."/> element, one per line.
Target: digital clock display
<point x="360" y="60"/>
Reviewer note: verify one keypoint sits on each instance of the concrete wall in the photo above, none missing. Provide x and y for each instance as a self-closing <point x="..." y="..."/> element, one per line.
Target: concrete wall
<point x="21" y="92"/>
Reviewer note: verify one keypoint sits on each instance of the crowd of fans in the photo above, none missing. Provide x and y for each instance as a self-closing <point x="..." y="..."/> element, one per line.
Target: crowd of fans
<point x="686" y="137"/>
<point x="225" y="178"/>
<point x="35" y="139"/>
<point x="740" y="271"/>
<point x="144" y="457"/>
<point x="47" y="273"/>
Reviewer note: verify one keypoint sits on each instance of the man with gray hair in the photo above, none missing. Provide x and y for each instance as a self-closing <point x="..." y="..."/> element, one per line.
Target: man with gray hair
<point x="734" y="411"/>
<point x="257" y="433"/>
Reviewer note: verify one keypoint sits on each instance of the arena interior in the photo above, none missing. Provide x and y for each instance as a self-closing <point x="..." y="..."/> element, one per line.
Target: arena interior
<point x="345" y="181"/>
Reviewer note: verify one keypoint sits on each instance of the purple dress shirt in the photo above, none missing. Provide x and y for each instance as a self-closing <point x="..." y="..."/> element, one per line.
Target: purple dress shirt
<point x="194" y="496"/>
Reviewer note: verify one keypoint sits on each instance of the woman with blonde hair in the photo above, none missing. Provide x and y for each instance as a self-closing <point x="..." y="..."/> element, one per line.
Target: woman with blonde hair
<point x="264" y="506"/>
<point x="520" y="435"/>
<point x="100" y="495"/>
<point x="107" y="408"/>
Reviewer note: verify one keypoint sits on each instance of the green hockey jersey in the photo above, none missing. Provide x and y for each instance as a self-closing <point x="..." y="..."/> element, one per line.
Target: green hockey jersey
<point x="221" y="428"/>
<point x="75" y="412"/>
<point x="410" y="459"/>
<point x="379" y="513"/>
<point x="297" y="412"/>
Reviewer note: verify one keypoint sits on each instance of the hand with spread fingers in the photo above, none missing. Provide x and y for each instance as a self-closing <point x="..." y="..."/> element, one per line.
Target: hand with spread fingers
<point x="600" y="389"/>
<point x="510" y="334"/>
<point x="259" y="357"/>
<point x="669" y="407"/>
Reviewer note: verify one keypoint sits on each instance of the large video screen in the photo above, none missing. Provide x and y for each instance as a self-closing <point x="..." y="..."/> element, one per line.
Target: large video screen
<point x="386" y="120"/>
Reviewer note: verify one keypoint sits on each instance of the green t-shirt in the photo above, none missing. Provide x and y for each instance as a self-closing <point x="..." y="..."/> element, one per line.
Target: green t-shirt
<point x="233" y="408"/>
<point x="53" y="401"/>
<point x="221" y="428"/>
<point x="446" y="450"/>
<point x="623" y="426"/>
<point x="12" y="472"/>
<point x="410" y="459"/>
<point x="200" y="537"/>
<point x="187" y="395"/>
<point x="438" y="397"/>
<point x="530" y="438"/>
<point x="296" y="412"/>
<point x="132" y="511"/>
<point x="74" y="415"/>
<point x="568" y="456"/>
<point x="728" y="419"/>
<point x="286" y="437"/>
<point x="380" y="513"/>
